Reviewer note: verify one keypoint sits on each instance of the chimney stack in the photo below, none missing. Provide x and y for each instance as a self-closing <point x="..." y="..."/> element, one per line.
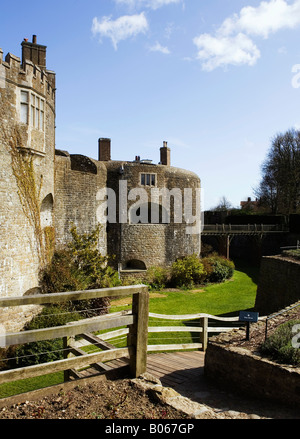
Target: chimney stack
<point x="104" y="150"/>
<point x="165" y="155"/>
<point x="36" y="53"/>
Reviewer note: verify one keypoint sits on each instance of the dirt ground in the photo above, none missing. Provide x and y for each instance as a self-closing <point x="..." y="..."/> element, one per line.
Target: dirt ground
<point x="117" y="399"/>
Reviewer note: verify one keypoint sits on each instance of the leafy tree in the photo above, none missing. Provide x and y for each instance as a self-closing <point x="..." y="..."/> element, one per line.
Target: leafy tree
<point x="279" y="189"/>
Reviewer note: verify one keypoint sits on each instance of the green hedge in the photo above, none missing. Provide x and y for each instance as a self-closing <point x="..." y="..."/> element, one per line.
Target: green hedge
<point x="191" y="270"/>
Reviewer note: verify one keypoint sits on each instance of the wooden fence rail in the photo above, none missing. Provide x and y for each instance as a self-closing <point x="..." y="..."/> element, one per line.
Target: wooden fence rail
<point x="136" y="321"/>
<point x="202" y="330"/>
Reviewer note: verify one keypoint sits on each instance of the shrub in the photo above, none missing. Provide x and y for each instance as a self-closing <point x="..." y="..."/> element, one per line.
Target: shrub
<point x="78" y="267"/>
<point x="295" y="254"/>
<point x="46" y="350"/>
<point x="279" y="345"/>
<point x="157" y="277"/>
<point x="221" y="269"/>
<point x="187" y="272"/>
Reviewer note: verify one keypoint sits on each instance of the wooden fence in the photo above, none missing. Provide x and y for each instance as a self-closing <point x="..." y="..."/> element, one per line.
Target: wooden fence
<point x="136" y="320"/>
<point x="200" y="327"/>
<point x="136" y="331"/>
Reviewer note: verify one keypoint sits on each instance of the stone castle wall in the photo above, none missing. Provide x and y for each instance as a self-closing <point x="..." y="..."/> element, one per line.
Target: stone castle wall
<point x="70" y="186"/>
<point x="19" y="263"/>
<point x="77" y="181"/>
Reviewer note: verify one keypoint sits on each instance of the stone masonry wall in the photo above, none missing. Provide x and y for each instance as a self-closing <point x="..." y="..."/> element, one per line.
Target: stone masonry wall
<point x="238" y="369"/>
<point x="153" y="244"/>
<point x="19" y="263"/>
<point x="76" y="197"/>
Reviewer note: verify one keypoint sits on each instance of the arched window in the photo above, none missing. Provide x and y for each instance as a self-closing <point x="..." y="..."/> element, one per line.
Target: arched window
<point x="135" y="264"/>
<point x="46" y="211"/>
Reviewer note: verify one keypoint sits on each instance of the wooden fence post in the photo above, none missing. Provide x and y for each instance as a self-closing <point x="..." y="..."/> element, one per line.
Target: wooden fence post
<point x="204" y="333"/>
<point x="68" y="342"/>
<point x="138" y="333"/>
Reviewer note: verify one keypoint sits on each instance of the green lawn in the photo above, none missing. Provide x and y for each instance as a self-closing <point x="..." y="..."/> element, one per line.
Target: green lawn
<point x="229" y="297"/>
<point x="223" y="299"/>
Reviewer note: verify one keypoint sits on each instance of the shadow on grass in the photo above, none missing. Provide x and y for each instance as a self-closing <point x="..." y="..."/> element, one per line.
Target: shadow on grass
<point x="251" y="270"/>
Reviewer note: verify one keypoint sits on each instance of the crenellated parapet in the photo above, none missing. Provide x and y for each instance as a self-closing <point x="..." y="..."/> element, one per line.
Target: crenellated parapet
<point x="27" y="89"/>
<point x="28" y="75"/>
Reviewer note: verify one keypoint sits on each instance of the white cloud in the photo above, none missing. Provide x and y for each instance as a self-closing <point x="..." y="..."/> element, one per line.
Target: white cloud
<point x="232" y="43"/>
<point x="159" y="48"/>
<point x="221" y="51"/>
<point x="268" y="17"/>
<point x="120" y="29"/>
<point x="152" y="4"/>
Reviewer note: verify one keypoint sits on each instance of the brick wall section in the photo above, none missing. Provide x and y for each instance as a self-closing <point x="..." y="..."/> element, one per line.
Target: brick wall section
<point x="279" y="284"/>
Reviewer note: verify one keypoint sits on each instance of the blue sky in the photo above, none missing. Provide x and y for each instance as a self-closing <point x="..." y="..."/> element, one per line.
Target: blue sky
<point x="216" y="79"/>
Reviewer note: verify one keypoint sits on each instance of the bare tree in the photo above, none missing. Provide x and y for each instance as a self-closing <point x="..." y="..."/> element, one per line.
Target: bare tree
<point x="279" y="189"/>
<point x="224" y="204"/>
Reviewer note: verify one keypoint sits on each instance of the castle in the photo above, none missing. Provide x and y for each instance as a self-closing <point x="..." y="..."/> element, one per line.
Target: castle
<point x="138" y="227"/>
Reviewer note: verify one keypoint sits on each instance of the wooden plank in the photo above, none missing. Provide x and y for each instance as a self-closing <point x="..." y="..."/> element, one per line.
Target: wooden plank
<point x="113" y="334"/>
<point x="173" y="347"/>
<point x="74" y="328"/>
<point x="174" y="329"/>
<point x="170" y="369"/>
<point x="184" y="362"/>
<point x="178" y="377"/>
<point x="101" y="344"/>
<point x="192" y="317"/>
<point x="193" y="359"/>
<point x="59" y="365"/>
<point x="42" y="299"/>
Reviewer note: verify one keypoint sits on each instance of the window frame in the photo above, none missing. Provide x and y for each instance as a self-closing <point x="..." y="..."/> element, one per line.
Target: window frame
<point x="35" y="110"/>
<point x="146" y="179"/>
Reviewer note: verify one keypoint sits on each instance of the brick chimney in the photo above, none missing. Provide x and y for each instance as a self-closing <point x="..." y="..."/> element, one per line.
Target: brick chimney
<point x="104" y="150"/>
<point x="34" y="52"/>
<point x="165" y="155"/>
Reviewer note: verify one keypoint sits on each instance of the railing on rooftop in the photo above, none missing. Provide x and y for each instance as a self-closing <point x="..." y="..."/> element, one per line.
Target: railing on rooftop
<point x="244" y="228"/>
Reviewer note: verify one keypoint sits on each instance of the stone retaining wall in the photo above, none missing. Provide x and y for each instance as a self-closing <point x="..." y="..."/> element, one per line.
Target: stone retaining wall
<point x="278" y="284"/>
<point x="240" y="370"/>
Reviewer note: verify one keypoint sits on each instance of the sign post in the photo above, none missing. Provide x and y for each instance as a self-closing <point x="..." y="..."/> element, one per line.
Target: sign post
<point x="248" y="317"/>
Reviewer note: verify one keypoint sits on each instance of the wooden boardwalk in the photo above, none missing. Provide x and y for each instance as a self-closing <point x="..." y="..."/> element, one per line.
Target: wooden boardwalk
<point x="174" y="369"/>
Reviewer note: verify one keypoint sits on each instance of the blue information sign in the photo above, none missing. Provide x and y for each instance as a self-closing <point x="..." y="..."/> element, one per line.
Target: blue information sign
<point x="247" y="316"/>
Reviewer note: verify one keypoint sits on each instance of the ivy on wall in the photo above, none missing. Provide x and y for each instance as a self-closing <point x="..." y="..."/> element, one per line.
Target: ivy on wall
<point x="28" y="184"/>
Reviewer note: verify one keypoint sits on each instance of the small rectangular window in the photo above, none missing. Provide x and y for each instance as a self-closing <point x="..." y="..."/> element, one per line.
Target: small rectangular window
<point x="148" y="179"/>
<point x="24" y="107"/>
